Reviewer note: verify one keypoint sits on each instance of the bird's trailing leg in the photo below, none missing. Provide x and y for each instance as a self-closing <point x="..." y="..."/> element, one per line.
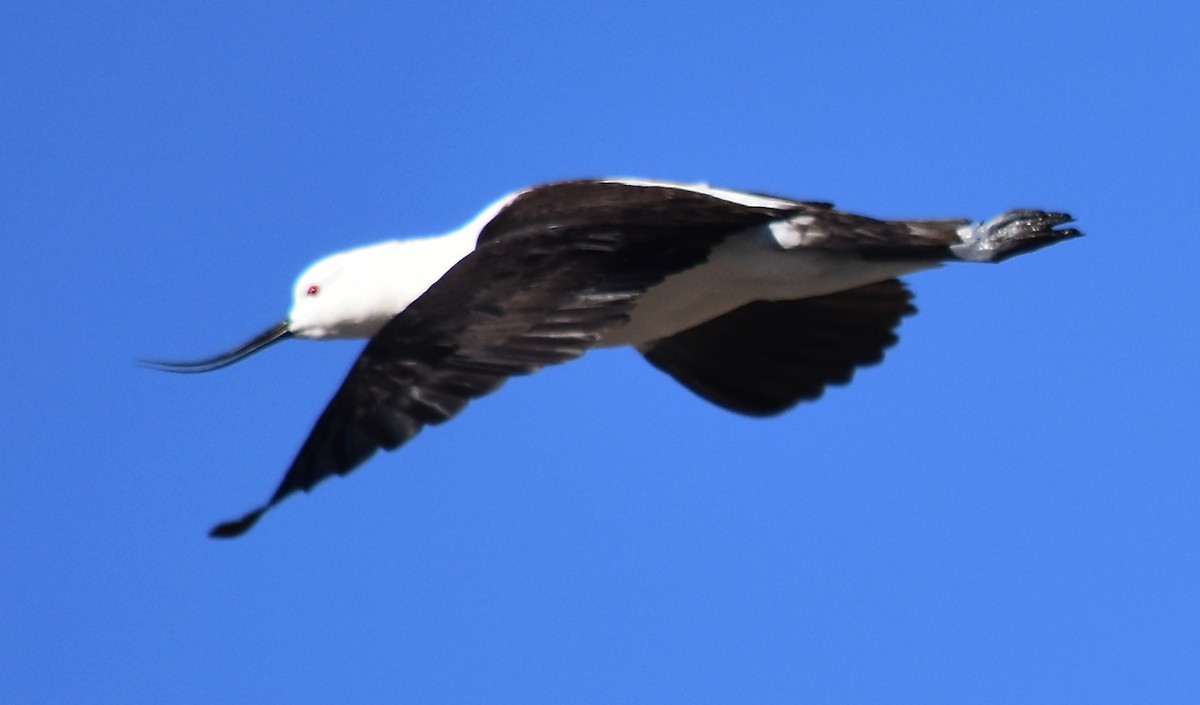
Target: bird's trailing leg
<point x="1012" y="233"/>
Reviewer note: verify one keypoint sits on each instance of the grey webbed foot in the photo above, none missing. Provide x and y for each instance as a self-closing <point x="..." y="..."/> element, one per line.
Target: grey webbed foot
<point x="1012" y="233"/>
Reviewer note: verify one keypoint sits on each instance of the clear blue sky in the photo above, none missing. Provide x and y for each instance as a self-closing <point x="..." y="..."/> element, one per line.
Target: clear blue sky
<point x="1006" y="511"/>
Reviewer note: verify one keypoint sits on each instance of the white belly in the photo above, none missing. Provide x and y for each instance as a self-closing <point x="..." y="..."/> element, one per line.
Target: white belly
<point x="747" y="267"/>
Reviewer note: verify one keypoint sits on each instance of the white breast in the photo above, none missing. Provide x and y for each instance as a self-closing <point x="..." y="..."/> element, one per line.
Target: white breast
<point x="749" y="266"/>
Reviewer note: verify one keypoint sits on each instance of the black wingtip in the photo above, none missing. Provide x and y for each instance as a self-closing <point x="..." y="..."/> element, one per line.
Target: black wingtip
<point x="237" y="527"/>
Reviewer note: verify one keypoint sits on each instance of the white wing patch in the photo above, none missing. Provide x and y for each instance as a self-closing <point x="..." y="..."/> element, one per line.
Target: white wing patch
<point x="797" y="232"/>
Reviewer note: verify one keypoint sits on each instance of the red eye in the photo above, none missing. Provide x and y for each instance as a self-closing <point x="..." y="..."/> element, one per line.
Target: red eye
<point x="312" y="290"/>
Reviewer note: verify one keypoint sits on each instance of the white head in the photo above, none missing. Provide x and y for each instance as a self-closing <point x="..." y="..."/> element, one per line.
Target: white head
<point x="353" y="294"/>
<point x="345" y="295"/>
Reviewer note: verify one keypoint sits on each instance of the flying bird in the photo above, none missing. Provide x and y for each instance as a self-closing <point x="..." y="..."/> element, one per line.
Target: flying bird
<point x="753" y="302"/>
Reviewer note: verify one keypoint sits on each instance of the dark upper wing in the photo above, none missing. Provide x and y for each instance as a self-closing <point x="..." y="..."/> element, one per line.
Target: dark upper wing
<point x="649" y="205"/>
<point x="766" y="356"/>
<point x="540" y="292"/>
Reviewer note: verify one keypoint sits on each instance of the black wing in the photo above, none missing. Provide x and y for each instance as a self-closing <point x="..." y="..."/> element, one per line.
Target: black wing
<point x="541" y="288"/>
<point x="767" y="356"/>
<point x="669" y="209"/>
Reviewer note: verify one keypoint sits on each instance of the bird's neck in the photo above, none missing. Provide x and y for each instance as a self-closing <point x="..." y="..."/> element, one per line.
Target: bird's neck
<point x="406" y="268"/>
